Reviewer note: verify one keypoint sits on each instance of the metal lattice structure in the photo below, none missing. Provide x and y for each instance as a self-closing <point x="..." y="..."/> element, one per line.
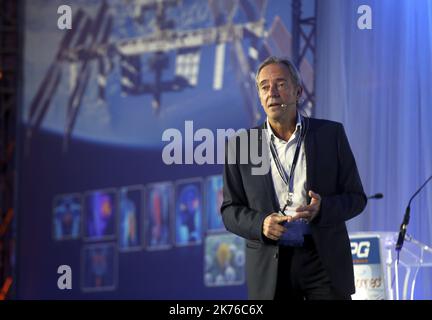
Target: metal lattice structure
<point x="9" y="62"/>
<point x="303" y="46"/>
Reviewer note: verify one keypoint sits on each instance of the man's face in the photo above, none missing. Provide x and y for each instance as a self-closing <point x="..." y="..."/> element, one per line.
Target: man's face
<point x="274" y="88"/>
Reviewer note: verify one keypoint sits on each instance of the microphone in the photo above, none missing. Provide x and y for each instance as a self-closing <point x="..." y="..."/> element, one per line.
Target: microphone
<point x="404" y="225"/>
<point x="376" y="196"/>
<point x="284" y="105"/>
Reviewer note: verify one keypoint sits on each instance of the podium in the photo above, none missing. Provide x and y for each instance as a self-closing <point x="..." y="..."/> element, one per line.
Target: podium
<point x="378" y="275"/>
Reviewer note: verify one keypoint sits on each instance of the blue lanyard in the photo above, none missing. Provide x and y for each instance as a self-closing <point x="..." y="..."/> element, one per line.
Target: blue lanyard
<point x="288" y="180"/>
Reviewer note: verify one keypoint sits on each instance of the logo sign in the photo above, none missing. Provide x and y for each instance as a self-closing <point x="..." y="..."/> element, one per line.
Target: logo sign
<point x="365" y="250"/>
<point x="368" y="271"/>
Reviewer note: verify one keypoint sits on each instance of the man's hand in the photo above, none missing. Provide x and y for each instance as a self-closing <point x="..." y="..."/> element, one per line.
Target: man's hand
<point x="310" y="211"/>
<point x="271" y="226"/>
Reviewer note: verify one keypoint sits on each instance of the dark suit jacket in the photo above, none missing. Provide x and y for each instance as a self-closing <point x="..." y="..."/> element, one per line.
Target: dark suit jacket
<point x="332" y="173"/>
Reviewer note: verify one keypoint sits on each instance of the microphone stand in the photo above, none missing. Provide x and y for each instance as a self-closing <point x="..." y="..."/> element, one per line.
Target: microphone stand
<point x="404" y="225"/>
<point x="402" y="233"/>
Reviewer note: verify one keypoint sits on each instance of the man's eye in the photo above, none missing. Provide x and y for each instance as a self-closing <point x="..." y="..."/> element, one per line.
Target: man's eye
<point x="265" y="88"/>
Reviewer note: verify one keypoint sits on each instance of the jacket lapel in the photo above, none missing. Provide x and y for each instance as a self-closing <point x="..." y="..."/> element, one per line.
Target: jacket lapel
<point x="268" y="180"/>
<point x="310" y="156"/>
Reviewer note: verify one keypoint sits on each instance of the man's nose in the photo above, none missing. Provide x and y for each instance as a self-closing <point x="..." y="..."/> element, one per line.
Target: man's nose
<point x="274" y="90"/>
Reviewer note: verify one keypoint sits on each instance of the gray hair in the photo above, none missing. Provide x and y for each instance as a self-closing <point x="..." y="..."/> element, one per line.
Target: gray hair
<point x="294" y="73"/>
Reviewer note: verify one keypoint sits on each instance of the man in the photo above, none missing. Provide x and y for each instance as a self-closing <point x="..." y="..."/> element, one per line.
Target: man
<point x="294" y="216"/>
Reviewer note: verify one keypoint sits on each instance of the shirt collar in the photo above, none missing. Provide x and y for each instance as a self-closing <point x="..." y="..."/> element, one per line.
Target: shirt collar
<point x="270" y="132"/>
